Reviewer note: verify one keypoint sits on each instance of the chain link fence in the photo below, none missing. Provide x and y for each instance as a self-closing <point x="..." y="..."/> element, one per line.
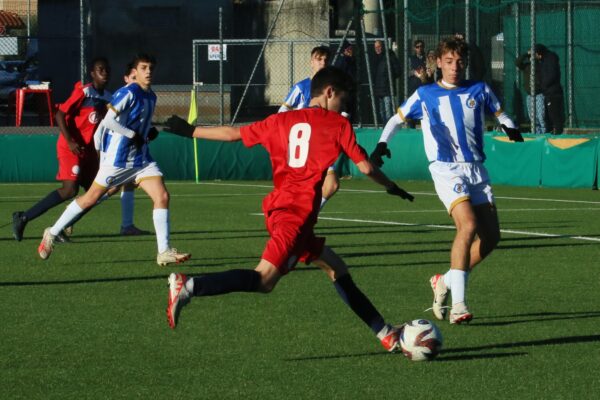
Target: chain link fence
<point x="254" y="76"/>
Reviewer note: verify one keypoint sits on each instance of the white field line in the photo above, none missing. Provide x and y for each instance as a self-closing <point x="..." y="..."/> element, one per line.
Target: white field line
<point x="450" y="227"/>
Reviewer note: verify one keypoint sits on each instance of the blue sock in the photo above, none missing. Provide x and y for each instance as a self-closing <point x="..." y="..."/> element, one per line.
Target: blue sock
<point x="359" y="303"/>
<point x="235" y="280"/>
<point x="51" y="200"/>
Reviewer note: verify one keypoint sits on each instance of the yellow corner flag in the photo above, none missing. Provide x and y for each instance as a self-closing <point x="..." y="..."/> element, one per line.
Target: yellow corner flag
<point x="192" y="117"/>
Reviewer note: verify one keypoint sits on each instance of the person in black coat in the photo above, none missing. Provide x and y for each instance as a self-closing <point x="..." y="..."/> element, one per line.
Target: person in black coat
<point x="551" y="89"/>
<point x="381" y="83"/>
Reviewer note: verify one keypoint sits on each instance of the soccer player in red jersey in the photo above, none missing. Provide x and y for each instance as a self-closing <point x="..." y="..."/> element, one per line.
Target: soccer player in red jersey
<point x="302" y="144"/>
<point x="77" y="119"/>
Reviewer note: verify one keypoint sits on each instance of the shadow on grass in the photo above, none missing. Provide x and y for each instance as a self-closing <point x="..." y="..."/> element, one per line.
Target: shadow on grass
<point x="86" y="281"/>
<point x="529" y="343"/>
<point x="542" y="317"/>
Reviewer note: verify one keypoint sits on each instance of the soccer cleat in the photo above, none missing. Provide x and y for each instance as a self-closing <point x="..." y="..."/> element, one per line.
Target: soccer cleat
<point x="178" y="297"/>
<point x="132" y="230"/>
<point x="62" y="237"/>
<point x="390" y="339"/>
<point x="171" y="256"/>
<point x="19" y="220"/>
<point x="459" y="314"/>
<point x="440" y="296"/>
<point x="47" y="245"/>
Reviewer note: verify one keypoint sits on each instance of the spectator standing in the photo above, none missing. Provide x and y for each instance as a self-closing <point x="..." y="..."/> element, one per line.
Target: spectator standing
<point x="382" y="83"/>
<point x="524" y="64"/>
<point x="431" y="67"/>
<point x="418" y="58"/>
<point x="551" y="89"/>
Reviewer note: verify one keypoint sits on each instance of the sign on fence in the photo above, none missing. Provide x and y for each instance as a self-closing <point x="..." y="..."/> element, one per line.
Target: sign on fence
<point x="214" y="52"/>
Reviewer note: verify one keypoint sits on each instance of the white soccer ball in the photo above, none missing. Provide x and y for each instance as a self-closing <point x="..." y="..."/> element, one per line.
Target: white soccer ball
<point x="420" y="340"/>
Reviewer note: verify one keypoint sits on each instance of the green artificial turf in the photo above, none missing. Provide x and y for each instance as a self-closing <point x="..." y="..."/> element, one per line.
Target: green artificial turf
<point x="90" y="321"/>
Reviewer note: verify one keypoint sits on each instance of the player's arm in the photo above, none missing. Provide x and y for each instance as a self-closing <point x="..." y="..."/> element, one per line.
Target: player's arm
<point x="64" y="130"/>
<point x="111" y="122"/>
<point x="180" y="127"/>
<point x="390" y="129"/>
<point x="373" y="172"/>
<point x="68" y="107"/>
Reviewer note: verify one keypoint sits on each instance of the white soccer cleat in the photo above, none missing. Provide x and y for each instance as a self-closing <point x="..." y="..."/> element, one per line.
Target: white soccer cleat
<point x="459" y="314"/>
<point x="178" y="297"/>
<point x="171" y="256"/>
<point x="440" y="296"/>
<point x="46" y="245"/>
<point x="390" y="337"/>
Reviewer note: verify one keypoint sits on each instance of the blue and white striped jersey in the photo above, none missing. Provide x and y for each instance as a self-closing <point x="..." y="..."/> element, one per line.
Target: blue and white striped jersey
<point x="452" y="119"/>
<point x="299" y="96"/>
<point x="133" y="107"/>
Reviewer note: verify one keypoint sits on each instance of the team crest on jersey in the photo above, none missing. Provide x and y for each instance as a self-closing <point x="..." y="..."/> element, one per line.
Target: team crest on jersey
<point x="471" y="103"/>
<point x="93" y="117"/>
<point x="459" y="188"/>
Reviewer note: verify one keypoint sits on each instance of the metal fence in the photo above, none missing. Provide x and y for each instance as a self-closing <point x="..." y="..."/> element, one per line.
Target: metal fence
<point x="256" y="75"/>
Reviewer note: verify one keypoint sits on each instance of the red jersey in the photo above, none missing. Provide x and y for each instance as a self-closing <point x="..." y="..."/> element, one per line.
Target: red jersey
<point x="302" y="145"/>
<point x="84" y="110"/>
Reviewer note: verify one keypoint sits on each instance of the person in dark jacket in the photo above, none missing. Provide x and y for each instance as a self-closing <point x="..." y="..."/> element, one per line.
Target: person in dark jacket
<point x="551" y="89"/>
<point x="535" y="102"/>
<point x="382" y="82"/>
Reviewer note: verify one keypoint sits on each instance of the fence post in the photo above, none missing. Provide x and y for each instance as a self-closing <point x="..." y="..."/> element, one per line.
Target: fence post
<point x="387" y="56"/>
<point x="405" y="48"/>
<point x="532" y="61"/>
<point x="221" y="93"/>
<point x="467" y="28"/>
<point x="570" y="61"/>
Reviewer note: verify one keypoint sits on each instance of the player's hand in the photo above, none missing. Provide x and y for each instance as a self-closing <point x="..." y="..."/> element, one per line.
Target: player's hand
<point x="398" y="191"/>
<point x="179" y="126"/>
<point x="152" y="133"/>
<point x="380" y="150"/>
<point x="139" y="140"/>
<point x="75" y="147"/>
<point x="513" y="133"/>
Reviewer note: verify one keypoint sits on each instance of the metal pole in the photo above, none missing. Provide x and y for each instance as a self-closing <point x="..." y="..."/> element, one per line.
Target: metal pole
<point x="405" y="48"/>
<point x="532" y="61"/>
<point x="398" y="47"/>
<point x="364" y="40"/>
<point x="437" y="21"/>
<point x="477" y="26"/>
<point x="221" y="92"/>
<point x="257" y="61"/>
<point x="570" y="60"/>
<point x="339" y="49"/>
<point x="291" y="61"/>
<point x="81" y="42"/>
<point x="517" y="39"/>
<point x="387" y="56"/>
<point x="28" y="20"/>
<point x="467" y="28"/>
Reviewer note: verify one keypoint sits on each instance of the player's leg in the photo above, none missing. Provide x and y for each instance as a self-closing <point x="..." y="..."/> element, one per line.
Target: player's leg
<point x="337" y="271"/>
<point x="73" y="210"/>
<point x="331" y="184"/>
<point x="154" y="186"/>
<point x="127" y="210"/>
<point x="181" y="289"/>
<point x="488" y="233"/>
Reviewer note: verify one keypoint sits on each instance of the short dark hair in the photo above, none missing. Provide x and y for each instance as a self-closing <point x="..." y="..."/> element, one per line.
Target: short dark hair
<point x="331" y="76"/>
<point x="142" y="57"/>
<point x="321" y="51"/>
<point x="128" y="68"/>
<point x="97" y="60"/>
<point x="451" y="44"/>
<point x="419" y="41"/>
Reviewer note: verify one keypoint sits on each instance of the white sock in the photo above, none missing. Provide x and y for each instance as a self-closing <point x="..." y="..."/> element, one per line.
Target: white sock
<point x="458" y="285"/>
<point x="189" y="286"/>
<point x="160" y="216"/>
<point x="323" y="201"/>
<point x="127" y="204"/>
<point x="67" y="216"/>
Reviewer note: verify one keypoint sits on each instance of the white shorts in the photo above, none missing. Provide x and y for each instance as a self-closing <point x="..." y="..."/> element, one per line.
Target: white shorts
<point x="109" y="176"/>
<point x="458" y="182"/>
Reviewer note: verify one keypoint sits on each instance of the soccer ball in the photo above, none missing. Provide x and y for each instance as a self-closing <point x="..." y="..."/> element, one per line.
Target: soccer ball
<point x="420" y="340"/>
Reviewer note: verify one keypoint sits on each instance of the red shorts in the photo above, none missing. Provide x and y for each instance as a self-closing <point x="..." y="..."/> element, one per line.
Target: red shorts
<point x="81" y="169"/>
<point x="292" y="240"/>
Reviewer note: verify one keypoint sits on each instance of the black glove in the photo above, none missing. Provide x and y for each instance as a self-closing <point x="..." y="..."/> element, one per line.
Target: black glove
<point x="138" y="140"/>
<point x="179" y="126"/>
<point x="152" y="134"/>
<point x="380" y="150"/>
<point x="398" y="191"/>
<point x="513" y="133"/>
